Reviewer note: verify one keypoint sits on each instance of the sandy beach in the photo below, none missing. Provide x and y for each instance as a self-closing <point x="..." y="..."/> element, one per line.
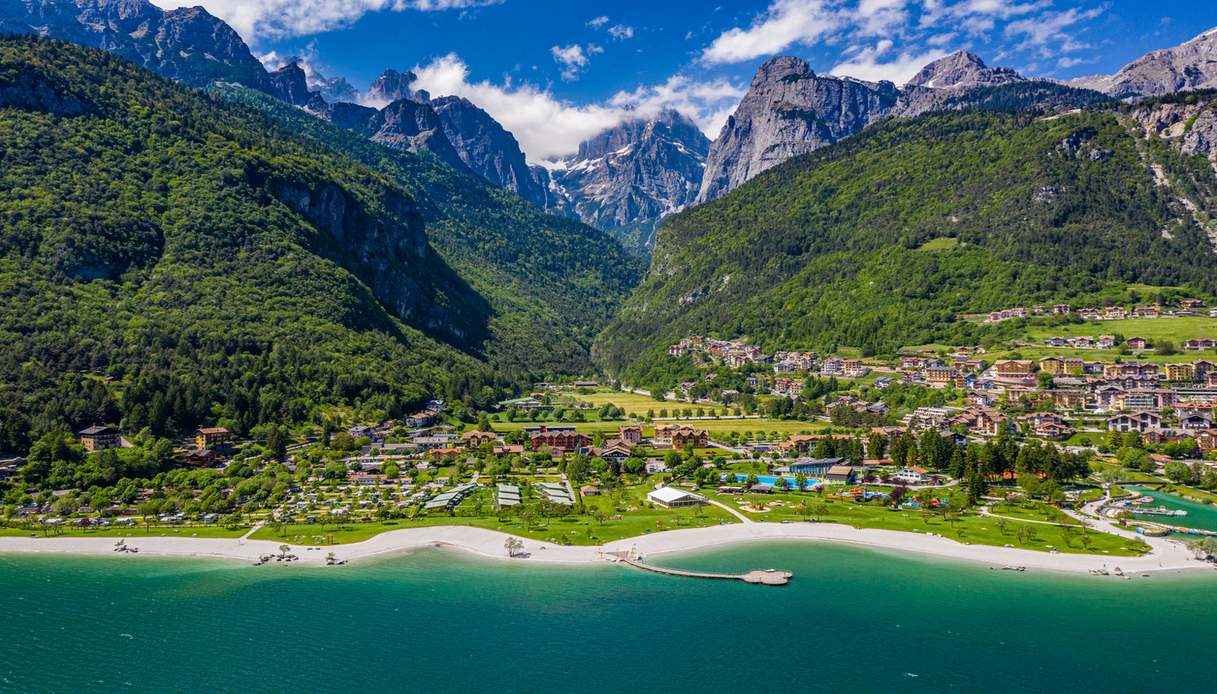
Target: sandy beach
<point x="1166" y="555"/>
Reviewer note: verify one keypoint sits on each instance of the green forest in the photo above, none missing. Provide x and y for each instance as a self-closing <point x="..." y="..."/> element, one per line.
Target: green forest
<point x="884" y="239"/>
<point x="170" y="259"/>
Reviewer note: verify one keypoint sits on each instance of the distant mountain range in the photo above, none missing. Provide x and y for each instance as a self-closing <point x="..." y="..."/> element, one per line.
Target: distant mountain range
<point x="1187" y="67"/>
<point x="626" y="180"/>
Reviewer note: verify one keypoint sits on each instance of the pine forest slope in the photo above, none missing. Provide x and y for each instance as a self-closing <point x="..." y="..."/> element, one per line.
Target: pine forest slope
<point x="824" y="251"/>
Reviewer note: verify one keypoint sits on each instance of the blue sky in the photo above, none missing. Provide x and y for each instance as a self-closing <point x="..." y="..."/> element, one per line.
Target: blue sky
<point x="557" y="72"/>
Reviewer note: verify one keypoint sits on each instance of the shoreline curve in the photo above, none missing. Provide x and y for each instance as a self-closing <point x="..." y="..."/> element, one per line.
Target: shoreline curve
<point x="1165" y="555"/>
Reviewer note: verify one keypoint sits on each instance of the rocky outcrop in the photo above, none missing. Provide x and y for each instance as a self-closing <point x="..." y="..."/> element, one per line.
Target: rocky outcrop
<point x="291" y="84"/>
<point x="31" y="90"/>
<point x="788" y="111"/>
<point x="1190" y="128"/>
<point x="186" y="44"/>
<point x="1186" y="67"/>
<point x="487" y="148"/>
<point x="628" y="179"/>
<point x="377" y="245"/>
<point x="962" y="70"/>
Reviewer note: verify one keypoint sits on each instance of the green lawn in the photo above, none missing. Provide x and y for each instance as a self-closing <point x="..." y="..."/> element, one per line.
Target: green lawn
<point x="1174" y="329"/>
<point x="780" y="426"/>
<point x="133" y="531"/>
<point x="970" y="528"/>
<point x="945" y="243"/>
<point x="1034" y="511"/>
<point x="573" y="529"/>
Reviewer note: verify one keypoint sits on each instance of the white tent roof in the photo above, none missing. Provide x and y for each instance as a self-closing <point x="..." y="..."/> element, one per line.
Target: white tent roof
<point x="668" y="495"/>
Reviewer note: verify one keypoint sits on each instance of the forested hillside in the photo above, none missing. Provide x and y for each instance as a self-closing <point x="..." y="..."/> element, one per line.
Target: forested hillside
<point x="883" y="239"/>
<point x="552" y="283"/>
<point x="168" y="260"/>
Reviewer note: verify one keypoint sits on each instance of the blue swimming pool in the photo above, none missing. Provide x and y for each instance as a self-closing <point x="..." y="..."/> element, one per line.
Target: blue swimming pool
<point x="773" y="481"/>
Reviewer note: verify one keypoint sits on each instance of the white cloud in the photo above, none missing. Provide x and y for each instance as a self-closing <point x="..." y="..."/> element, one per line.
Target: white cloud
<point x="598" y="22"/>
<point x="257" y="19"/>
<point x="707" y="103"/>
<point x="873" y="64"/>
<point x="786" y="22"/>
<point x="621" y="32"/>
<point x="881" y="17"/>
<point x="1048" y="30"/>
<point x="548" y="127"/>
<point x="573" y="58"/>
<point x="978" y="16"/>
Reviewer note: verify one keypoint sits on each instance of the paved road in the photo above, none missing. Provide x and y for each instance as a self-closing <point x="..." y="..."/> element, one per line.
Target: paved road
<point x="730" y="510"/>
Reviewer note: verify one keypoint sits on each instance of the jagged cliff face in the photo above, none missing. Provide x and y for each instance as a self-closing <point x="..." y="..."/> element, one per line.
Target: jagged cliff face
<point x="628" y="179"/>
<point x="292" y="84"/>
<point x="1186" y="67"/>
<point x="186" y="44"/>
<point x="1190" y="128"/>
<point x="487" y="148"/>
<point x="789" y="111"/>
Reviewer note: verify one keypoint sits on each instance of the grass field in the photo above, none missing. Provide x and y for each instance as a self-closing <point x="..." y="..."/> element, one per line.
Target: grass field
<point x="128" y="532"/>
<point x="969" y="528"/>
<point x="1174" y="329"/>
<point x="721" y="426"/>
<point x="575" y="530"/>
<point x="944" y="243"/>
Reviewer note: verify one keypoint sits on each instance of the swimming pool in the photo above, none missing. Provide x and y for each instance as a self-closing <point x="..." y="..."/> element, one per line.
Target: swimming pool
<point x="773" y="481"/>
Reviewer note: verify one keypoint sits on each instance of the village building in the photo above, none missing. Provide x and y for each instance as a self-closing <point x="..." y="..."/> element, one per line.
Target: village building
<point x="202" y="457"/>
<point x="100" y="438"/>
<point x="841" y="474"/>
<point x="1014" y="369"/>
<point x="212" y="437"/>
<point x="1138" y="421"/>
<point x="1137" y="344"/>
<point x="1180" y="373"/>
<point x="939" y="375"/>
<point x="475" y="439"/>
<point x="630" y="435"/>
<point x="559" y="438"/>
<point x="814" y="467"/>
<point x="680" y="436"/>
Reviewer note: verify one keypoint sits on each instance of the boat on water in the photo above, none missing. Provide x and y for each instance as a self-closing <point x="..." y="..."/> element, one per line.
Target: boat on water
<point x="1161" y="511"/>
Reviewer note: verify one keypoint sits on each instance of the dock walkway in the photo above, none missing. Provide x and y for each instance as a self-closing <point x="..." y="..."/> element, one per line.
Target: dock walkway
<point x="768" y="577"/>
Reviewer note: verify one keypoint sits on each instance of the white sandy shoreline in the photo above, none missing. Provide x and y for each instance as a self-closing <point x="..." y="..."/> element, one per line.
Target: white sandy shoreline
<point x="1166" y="555"/>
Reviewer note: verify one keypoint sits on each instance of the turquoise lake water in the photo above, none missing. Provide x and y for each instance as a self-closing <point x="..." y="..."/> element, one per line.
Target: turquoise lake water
<point x="1202" y="516"/>
<point x="852" y="620"/>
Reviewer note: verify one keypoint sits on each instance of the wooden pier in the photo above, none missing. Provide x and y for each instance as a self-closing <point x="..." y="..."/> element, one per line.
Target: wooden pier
<point x="768" y="577"/>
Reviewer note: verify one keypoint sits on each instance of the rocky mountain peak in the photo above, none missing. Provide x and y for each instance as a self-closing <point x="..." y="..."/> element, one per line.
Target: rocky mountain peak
<point x="391" y="86"/>
<point x="788" y="111"/>
<point x="186" y="44"/>
<point x="292" y="83"/>
<point x="487" y="148"/>
<point x="629" y="178"/>
<point x="1186" y="67"/>
<point x="962" y="70"/>
<point x="782" y="67"/>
